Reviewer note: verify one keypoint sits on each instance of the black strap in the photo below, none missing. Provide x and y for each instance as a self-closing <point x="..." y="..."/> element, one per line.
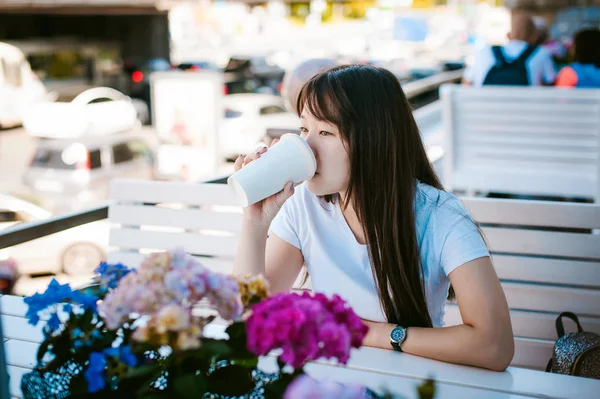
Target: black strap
<point x="525" y="55"/>
<point x="499" y="55"/>
<point x="560" y="328"/>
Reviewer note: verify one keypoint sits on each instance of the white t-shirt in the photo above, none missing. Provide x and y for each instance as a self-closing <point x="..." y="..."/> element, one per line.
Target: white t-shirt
<point x="540" y="66"/>
<point x="338" y="264"/>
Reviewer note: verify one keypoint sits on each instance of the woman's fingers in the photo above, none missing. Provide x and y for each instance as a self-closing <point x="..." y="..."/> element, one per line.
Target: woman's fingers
<point x="275" y="141"/>
<point x="239" y="162"/>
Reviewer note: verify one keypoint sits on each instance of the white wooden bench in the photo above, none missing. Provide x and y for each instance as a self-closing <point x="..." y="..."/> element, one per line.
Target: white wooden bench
<point x="205" y="220"/>
<point x="543" y="271"/>
<point x="529" y="141"/>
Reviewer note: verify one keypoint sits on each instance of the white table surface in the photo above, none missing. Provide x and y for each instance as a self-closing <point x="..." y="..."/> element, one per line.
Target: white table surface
<point x="21" y="357"/>
<point x="373" y="367"/>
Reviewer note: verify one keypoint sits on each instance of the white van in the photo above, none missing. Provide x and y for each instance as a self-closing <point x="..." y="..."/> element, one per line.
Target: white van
<point x="19" y="86"/>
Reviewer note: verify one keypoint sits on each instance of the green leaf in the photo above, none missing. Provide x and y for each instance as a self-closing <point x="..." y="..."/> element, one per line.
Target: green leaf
<point x="276" y="389"/>
<point x="43" y="349"/>
<point x="231" y="380"/>
<point x="237" y="335"/>
<point x="189" y="386"/>
<point x="427" y="389"/>
<point x="78" y="385"/>
<point x="215" y="347"/>
<point x="142" y="371"/>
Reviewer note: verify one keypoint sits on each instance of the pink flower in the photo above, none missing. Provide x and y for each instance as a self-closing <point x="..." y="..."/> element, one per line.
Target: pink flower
<point x="305" y="387"/>
<point x="305" y="327"/>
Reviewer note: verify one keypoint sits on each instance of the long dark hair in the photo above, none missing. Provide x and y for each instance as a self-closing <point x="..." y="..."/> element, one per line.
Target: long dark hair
<point x="387" y="156"/>
<point x="587" y="47"/>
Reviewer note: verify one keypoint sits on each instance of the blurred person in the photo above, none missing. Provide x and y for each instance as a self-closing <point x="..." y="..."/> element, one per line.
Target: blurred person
<point x="375" y="226"/>
<point x="9" y="274"/>
<point x="295" y="79"/>
<point x="584" y="72"/>
<point x="521" y="62"/>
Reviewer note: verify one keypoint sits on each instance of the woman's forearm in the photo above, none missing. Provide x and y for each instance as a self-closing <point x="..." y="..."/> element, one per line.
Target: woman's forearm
<point x="462" y="344"/>
<point x="250" y="255"/>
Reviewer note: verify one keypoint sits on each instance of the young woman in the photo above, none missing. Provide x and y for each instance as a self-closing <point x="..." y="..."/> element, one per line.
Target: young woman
<point x="584" y="72"/>
<point x="375" y="227"/>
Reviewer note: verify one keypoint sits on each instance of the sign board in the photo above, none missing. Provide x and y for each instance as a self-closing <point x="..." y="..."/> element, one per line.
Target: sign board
<point x="187" y="110"/>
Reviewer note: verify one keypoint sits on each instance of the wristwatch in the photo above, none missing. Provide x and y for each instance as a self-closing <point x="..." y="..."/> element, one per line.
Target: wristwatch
<point x="397" y="337"/>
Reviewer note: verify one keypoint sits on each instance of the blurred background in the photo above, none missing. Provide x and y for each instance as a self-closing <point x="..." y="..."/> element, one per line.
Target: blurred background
<point x="91" y="90"/>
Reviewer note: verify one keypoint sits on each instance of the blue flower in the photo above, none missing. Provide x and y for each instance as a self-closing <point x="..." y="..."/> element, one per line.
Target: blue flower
<point x="96" y="334"/>
<point x="111" y="352"/>
<point x="88" y="301"/>
<point x="53" y="322"/>
<point x="76" y="333"/>
<point x="55" y="293"/>
<point x="67" y="307"/>
<point x="95" y="374"/>
<point x="111" y="274"/>
<point x="127" y="357"/>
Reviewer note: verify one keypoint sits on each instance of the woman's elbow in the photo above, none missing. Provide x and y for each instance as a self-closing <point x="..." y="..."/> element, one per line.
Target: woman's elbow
<point x="500" y="352"/>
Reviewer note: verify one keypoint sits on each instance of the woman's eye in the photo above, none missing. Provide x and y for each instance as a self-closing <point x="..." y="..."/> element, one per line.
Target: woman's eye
<point x="303" y="129"/>
<point x="324" y="133"/>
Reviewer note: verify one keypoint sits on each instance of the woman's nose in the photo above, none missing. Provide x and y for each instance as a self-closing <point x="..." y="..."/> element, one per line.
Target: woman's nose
<point x="310" y="139"/>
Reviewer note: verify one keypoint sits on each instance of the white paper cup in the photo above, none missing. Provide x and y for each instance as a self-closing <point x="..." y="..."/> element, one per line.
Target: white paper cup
<point x="290" y="159"/>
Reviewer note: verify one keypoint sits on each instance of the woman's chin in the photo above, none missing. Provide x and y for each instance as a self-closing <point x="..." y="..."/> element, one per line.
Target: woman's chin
<point x="316" y="187"/>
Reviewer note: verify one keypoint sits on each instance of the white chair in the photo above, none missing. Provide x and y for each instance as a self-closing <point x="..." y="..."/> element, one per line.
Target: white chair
<point x="529" y="141"/>
<point x="548" y="260"/>
<point x="146" y="216"/>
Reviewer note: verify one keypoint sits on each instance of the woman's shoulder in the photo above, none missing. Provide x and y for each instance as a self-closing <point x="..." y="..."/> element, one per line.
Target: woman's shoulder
<point x="439" y="204"/>
<point x="304" y="201"/>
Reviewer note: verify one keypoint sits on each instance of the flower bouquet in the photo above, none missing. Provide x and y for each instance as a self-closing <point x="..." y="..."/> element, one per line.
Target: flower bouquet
<point x="139" y="334"/>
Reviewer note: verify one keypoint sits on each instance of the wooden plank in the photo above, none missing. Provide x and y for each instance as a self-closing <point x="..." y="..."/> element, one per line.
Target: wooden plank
<point x="581" y="301"/>
<point x="148" y="191"/>
<point x="192" y="243"/>
<point x="14" y="306"/>
<point x="547" y="243"/>
<point x="132" y="215"/>
<point x="530" y="324"/>
<point x="532" y="353"/>
<point x="533" y="213"/>
<point x="21" y="353"/>
<point x="547" y="270"/>
<point x="17" y="327"/>
<point x="15" y="374"/>
<point x="133" y="259"/>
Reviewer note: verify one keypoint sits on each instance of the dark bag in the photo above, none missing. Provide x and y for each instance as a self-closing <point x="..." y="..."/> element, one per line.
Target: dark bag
<point x="575" y="353"/>
<point x="512" y="73"/>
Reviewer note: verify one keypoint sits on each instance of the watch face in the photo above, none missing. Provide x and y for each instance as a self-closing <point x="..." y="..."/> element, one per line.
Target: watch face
<point x="397" y="334"/>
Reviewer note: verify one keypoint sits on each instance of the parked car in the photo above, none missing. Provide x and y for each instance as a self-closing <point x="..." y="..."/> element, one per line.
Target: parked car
<point x="20" y="88"/>
<point x="246" y="120"/>
<point x="71" y="173"/>
<point x="96" y="111"/>
<point x="139" y="76"/>
<point x="76" y="251"/>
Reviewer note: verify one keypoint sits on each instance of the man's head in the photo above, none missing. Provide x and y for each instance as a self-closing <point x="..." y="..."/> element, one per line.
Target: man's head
<point x="295" y="79"/>
<point x="523" y="28"/>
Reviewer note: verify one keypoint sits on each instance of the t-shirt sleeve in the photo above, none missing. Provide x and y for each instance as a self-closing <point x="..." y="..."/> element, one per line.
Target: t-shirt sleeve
<point x="460" y="240"/>
<point x="285" y="225"/>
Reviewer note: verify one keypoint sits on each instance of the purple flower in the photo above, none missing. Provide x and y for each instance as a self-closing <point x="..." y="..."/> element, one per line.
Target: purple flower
<point x="306" y="327"/>
<point x="305" y="387"/>
<point x="95" y="374"/>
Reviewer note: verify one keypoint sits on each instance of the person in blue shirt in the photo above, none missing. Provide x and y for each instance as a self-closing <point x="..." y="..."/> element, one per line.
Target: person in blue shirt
<point x="375" y="226"/>
<point x="584" y="72"/>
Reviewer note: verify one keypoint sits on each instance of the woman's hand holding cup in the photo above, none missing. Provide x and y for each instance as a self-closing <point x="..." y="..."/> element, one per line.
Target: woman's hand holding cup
<point x="263" y="212"/>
